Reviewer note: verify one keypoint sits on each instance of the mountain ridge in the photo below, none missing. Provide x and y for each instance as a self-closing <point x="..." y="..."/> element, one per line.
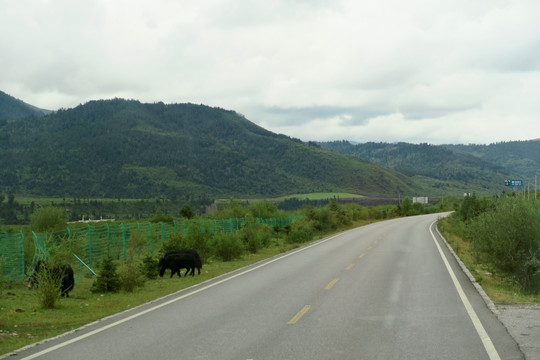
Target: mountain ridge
<point x="124" y="148"/>
<point x="12" y="108"/>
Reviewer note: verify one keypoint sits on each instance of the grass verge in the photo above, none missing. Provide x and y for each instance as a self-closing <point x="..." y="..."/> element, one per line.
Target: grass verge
<point x="23" y="321"/>
<point x="500" y="287"/>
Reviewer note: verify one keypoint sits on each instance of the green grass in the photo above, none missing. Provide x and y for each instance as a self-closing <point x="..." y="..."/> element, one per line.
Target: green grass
<point x="23" y="321"/>
<point x="46" y="201"/>
<point x="320" y="196"/>
<point x="309" y="196"/>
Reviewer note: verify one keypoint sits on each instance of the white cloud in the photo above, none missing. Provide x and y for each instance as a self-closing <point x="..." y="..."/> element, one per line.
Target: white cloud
<point x="417" y="70"/>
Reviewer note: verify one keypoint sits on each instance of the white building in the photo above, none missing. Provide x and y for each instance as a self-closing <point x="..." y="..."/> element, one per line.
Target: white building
<point x="420" y="199"/>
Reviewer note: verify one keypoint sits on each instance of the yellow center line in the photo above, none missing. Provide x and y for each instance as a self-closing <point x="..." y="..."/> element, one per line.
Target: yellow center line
<point x="362" y="255"/>
<point x="349" y="267"/>
<point x="299" y="315"/>
<point x="369" y="248"/>
<point x="332" y="283"/>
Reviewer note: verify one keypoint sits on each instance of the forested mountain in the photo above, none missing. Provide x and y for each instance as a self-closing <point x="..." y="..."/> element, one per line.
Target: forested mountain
<point x="437" y="167"/>
<point x="521" y="158"/>
<point x="13" y="109"/>
<point x="127" y="149"/>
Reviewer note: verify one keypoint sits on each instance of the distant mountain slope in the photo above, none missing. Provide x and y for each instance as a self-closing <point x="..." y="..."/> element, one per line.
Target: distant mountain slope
<point x="439" y="167"/>
<point x="120" y="148"/>
<point x="13" y="109"/>
<point x="521" y="158"/>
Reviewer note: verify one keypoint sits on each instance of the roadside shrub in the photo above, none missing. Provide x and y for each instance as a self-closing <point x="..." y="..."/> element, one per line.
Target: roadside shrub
<point x="507" y="237"/>
<point x="108" y="279"/>
<point x="233" y="209"/>
<point x="363" y="213"/>
<point x="48" y="219"/>
<point x="149" y="267"/>
<point x="323" y="219"/>
<point x="160" y="217"/>
<point x="187" y="212"/>
<point x="263" y="210"/>
<point x="227" y="246"/>
<point x="529" y="273"/>
<point x="374" y="214"/>
<point x="198" y="238"/>
<point x="353" y="211"/>
<point x="130" y="275"/>
<point x="49" y="289"/>
<point x="472" y="207"/>
<point x="255" y="236"/>
<point x="301" y="231"/>
<point x="405" y="208"/>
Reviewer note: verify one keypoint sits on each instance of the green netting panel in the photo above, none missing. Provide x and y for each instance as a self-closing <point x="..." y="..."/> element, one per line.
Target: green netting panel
<point x="92" y="243"/>
<point x="167" y="229"/>
<point x="12" y="256"/>
<point x="181" y="227"/>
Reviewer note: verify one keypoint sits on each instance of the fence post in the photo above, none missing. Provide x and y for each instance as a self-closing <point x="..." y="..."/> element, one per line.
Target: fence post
<point x="69" y="237"/>
<point x="124" y="239"/>
<point x="90" y="245"/>
<point x="162" y="231"/>
<point x="22" y="262"/>
<point x="150" y="238"/>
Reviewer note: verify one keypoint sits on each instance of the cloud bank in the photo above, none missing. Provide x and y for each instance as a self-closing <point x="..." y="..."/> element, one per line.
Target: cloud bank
<point x="415" y="70"/>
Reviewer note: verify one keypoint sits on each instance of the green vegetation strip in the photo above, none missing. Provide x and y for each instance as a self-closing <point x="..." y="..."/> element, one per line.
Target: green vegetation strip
<point x="23" y="321"/>
<point x="501" y="287"/>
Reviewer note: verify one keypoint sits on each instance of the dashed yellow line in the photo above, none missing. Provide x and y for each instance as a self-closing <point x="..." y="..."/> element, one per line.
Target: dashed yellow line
<point x="332" y="283"/>
<point x="369" y="248"/>
<point x="362" y="255"/>
<point x="349" y="267"/>
<point x="301" y="313"/>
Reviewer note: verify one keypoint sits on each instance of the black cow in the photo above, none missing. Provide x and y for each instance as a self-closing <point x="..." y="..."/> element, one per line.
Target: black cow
<point x="176" y="262"/>
<point x="64" y="272"/>
<point x="192" y="252"/>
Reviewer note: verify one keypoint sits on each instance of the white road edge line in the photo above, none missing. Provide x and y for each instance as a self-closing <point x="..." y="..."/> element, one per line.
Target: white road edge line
<point x="486" y="340"/>
<point x="101" y="329"/>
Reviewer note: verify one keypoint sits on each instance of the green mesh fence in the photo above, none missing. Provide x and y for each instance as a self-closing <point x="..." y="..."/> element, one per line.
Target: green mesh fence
<point x="12" y="256"/>
<point x="88" y="245"/>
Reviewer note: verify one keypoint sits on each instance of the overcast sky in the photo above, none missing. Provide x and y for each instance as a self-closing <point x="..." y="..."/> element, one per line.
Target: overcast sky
<point x="435" y="71"/>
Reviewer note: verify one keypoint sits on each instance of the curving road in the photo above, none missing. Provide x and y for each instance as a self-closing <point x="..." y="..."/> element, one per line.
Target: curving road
<point x="389" y="290"/>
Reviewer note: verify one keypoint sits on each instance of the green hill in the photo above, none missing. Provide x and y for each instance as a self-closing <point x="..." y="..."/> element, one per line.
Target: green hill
<point x="13" y="109"/>
<point x="127" y="149"/>
<point x="520" y="158"/>
<point x="439" y="169"/>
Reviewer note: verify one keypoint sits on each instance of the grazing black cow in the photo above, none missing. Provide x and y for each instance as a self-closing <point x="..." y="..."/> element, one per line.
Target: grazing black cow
<point x="196" y="258"/>
<point x="64" y="272"/>
<point x="176" y="262"/>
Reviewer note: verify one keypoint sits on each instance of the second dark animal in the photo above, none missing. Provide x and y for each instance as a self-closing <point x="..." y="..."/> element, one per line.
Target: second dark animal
<point x="176" y="262"/>
<point x="196" y="258"/>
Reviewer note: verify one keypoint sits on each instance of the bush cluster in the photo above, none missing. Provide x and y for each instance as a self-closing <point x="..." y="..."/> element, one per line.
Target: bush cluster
<point x="129" y="270"/>
<point x="505" y="233"/>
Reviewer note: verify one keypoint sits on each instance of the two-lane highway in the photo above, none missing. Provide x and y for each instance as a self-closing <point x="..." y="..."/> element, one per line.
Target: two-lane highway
<point x="388" y="290"/>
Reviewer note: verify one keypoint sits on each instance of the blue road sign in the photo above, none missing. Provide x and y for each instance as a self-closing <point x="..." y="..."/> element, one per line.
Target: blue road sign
<point x="513" y="182"/>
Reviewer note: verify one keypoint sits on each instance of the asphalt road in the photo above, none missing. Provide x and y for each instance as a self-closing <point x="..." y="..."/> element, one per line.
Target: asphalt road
<point x="389" y="290"/>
